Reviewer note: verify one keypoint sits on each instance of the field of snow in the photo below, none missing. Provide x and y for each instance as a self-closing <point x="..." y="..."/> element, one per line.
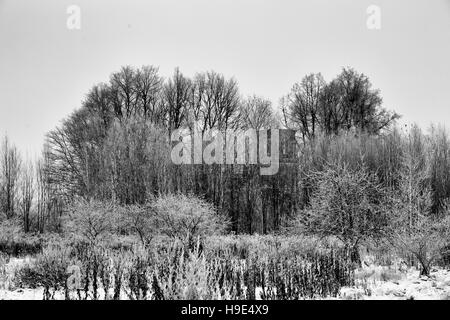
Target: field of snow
<point x="387" y="283"/>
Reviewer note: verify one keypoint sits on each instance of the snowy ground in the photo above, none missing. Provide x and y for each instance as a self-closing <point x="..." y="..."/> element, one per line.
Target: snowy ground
<point x="22" y="294"/>
<point x="372" y="283"/>
<point x="388" y="283"/>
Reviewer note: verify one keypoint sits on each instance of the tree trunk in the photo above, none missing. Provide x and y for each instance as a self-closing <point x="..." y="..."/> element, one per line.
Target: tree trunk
<point x="425" y="271"/>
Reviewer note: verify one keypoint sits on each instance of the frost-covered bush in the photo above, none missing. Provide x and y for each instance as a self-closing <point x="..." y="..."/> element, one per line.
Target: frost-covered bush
<point x="186" y="218"/>
<point x="48" y="271"/>
<point x="348" y="204"/>
<point x="91" y="221"/>
<point x="15" y="242"/>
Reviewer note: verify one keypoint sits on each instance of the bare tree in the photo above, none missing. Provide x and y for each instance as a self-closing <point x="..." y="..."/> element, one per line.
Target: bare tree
<point x="347" y="102"/>
<point x="360" y="104"/>
<point x="27" y="194"/>
<point x="176" y="98"/>
<point x="346" y="204"/>
<point x="416" y="229"/>
<point x="215" y="102"/>
<point x="10" y="164"/>
<point x="44" y="192"/>
<point x="257" y="113"/>
<point x="98" y="102"/>
<point x="122" y="84"/>
<point x="331" y="113"/>
<point x="148" y="88"/>
<point x="301" y="105"/>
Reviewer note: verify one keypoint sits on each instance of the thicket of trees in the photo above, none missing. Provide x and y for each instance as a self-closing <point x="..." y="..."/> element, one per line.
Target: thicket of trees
<point x="352" y="164"/>
<point x="347" y="102"/>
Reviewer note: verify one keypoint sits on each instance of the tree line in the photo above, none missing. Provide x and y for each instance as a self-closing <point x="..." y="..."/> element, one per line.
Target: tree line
<point x="116" y="148"/>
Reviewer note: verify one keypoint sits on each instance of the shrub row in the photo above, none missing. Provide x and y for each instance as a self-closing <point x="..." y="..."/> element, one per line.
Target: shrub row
<point x="209" y="271"/>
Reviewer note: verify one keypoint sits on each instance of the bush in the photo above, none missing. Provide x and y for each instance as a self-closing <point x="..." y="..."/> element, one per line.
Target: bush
<point x="139" y="220"/>
<point x="186" y="218"/>
<point x="49" y="271"/>
<point x="427" y="240"/>
<point x="92" y="221"/>
<point x="14" y="242"/>
<point x="347" y="204"/>
<point x="4" y="259"/>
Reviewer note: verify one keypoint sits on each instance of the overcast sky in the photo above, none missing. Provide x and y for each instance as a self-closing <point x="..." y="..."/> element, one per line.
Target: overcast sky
<point x="46" y="69"/>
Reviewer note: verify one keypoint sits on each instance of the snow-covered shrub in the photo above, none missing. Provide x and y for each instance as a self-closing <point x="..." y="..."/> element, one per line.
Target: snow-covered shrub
<point x="49" y="271"/>
<point x="186" y="217"/>
<point x="91" y="221"/>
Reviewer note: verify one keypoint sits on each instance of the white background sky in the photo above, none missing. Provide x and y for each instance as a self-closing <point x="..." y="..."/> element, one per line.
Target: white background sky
<point x="267" y="45"/>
